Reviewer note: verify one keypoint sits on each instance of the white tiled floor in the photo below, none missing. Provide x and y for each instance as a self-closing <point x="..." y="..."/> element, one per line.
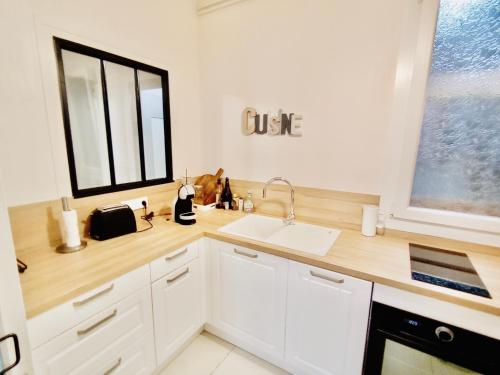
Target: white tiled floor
<point x="208" y="354"/>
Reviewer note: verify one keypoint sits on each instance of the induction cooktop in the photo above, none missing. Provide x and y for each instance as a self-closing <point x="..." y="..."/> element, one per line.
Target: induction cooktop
<point x="449" y="269"/>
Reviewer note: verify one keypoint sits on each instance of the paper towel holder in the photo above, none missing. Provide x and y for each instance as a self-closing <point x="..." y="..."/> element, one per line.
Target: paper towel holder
<point x="64" y="248"/>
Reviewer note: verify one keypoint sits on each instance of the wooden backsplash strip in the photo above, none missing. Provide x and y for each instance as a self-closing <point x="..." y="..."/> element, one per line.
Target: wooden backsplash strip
<point x="316" y="205"/>
<point x="36" y="225"/>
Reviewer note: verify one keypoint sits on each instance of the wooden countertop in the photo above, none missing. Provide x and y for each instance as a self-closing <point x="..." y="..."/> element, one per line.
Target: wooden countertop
<point x="53" y="278"/>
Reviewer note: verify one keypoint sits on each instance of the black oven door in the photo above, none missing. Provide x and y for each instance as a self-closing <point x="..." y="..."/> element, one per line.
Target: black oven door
<point x="403" y="343"/>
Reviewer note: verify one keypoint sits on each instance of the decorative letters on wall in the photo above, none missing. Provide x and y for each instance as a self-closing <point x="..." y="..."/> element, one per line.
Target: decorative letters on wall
<point x="281" y="124"/>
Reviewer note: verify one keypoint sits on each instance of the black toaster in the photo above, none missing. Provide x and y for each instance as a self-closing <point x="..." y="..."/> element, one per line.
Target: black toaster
<point x="112" y="221"/>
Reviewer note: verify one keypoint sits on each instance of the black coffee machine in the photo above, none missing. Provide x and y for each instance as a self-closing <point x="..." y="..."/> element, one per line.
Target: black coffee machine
<point x="183" y="211"/>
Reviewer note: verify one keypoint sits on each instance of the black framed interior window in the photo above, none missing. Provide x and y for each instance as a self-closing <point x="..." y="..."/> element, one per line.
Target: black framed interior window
<point x="116" y="119"/>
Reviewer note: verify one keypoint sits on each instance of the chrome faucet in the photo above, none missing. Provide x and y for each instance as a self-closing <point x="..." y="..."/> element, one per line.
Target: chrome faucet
<point x="290" y="219"/>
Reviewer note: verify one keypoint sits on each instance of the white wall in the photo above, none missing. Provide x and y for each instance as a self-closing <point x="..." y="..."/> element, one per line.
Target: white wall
<point x="161" y="33"/>
<point x="332" y="61"/>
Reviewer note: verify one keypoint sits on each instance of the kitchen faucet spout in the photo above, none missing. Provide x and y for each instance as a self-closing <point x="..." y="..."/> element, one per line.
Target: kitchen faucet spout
<point x="290" y="219"/>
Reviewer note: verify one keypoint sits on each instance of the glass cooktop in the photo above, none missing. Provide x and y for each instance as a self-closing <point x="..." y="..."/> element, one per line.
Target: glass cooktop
<point x="445" y="268"/>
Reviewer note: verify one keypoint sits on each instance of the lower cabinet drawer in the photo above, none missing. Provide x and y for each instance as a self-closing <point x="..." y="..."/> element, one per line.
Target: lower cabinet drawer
<point x="125" y="357"/>
<point x="46" y="326"/>
<point x="117" y="327"/>
<point x="173" y="260"/>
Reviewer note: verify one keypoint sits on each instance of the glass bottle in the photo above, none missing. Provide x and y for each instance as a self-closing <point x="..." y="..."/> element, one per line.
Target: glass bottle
<point x="218" y="194"/>
<point x="236" y="199"/>
<point x="227" y="196"/>
<point x="248" y="204"/>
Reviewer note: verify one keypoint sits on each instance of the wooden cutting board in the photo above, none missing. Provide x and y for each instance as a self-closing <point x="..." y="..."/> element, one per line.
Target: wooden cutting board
<point x="209" y="183"/>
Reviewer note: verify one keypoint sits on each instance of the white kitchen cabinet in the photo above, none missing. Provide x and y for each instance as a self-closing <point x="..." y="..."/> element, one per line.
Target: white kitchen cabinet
<point x="304" y="319"/>
<point x="249" y="299"/>
<point x="327" y="318"/>
<point x="119" y="338"/>
<point x="177" y="309"/>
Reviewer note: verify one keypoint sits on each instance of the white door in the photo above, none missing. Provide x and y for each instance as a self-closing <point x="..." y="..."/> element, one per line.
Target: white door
<point x="12" y="314"/>
<point x="249" y="290"/>
<point x="177" y="309"/>
<point x="327" y="319"/>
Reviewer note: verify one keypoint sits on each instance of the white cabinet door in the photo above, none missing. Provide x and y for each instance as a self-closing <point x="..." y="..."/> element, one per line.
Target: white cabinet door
<point x="249" y="291"/>
<point x="327" y="318"/>
<point x="177" y="309"/>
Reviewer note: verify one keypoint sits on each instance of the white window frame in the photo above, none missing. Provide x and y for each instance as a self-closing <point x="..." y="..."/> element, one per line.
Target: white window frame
<point x="412" y="71"/>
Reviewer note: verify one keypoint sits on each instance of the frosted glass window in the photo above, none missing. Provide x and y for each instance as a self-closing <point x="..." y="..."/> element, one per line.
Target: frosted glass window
<point x="88" y="126"/>
<point x="120" y="84"/>
<point x="458" y="163"/>
<point x="153" y="133"/>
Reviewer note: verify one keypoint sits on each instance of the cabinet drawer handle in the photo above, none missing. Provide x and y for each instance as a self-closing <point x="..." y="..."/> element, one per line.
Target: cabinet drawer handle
<point x="246" y="254"/>
<point x="179" y="275"/>
<point x="95" y="325"/>
<point x="86" y="300"/>
<point x="328" y="278"/>
<point x="113" y="368"/>
<point x="169" y="258"/>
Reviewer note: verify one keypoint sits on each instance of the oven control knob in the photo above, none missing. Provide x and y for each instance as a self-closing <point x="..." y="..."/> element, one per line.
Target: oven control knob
<point x="444" y="334"/>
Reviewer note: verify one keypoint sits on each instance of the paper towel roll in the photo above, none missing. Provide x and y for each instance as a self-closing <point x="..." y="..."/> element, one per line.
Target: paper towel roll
<point x="69" y="228"/>
<point x="370" y="219"/>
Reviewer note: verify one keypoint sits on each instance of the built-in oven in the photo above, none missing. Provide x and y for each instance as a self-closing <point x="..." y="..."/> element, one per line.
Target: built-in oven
<point x="401" y="343"/>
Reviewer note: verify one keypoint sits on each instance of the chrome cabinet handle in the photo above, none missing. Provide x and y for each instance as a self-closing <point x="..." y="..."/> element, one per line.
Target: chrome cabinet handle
<point x="114" y="367"/>
<point x="98" y="294"/>
<point x="179" y="275"/>
<point x="246" y="254"/>
<point x="83" y="332"/>
<point x="328" y="278"/>
<point x="169" y="258"/>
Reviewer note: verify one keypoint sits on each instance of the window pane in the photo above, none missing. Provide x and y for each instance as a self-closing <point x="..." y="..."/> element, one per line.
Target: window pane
<point x="82" y="77"/>
<point x="458" y="164"/>
<point x="152" y="125"/>
<point x="120" y="84"/>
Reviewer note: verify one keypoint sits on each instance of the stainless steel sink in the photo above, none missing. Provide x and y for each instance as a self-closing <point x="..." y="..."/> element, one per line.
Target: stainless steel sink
<point x="312" y="239"/>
